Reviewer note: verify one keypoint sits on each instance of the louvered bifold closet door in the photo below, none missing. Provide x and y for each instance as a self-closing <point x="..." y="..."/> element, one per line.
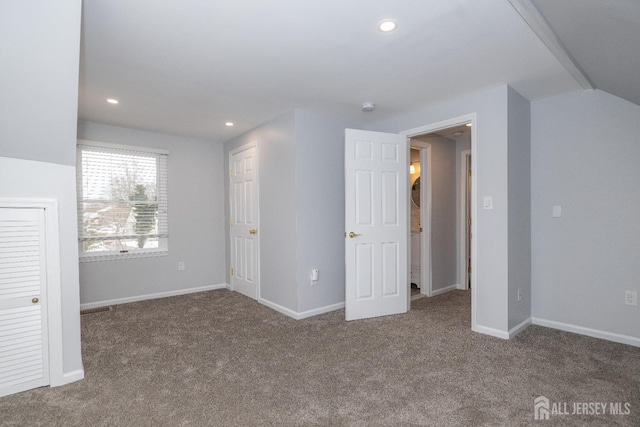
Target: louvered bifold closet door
<point x="24" y="361"/>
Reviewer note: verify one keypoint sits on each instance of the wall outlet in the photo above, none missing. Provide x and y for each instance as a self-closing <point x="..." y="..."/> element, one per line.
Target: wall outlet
<point x="519" y="294"/>
<point x="181" y="266"/>
<point x="631" y="298"/>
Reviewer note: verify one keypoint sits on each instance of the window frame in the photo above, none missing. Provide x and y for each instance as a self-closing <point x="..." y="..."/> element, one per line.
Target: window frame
<point x="162" y="160"/>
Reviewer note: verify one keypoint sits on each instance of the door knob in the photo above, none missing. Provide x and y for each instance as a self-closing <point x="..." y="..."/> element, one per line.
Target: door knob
<point x="352" y="234"/>
<point x="35" y="300"/>
<point x="253" y="231"/>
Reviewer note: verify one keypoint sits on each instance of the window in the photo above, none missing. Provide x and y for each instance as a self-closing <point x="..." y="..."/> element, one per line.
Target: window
<point x="122" y="201"/>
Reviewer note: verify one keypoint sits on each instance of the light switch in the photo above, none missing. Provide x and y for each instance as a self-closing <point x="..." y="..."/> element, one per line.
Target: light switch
<point x="556" y="212"/>
<point x="487" y="202"/>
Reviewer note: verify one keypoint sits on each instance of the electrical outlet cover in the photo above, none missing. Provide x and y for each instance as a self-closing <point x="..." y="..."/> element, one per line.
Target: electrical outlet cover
<point x="631" y="298"/>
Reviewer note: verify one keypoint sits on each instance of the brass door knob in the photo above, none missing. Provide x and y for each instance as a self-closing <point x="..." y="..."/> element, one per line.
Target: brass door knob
<point x="352" y="234"/>
<point x="35" y="300"/>
<point x="253" y="231"/>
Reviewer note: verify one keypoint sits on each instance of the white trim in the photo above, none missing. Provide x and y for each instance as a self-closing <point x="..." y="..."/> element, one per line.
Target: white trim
<point x="426" y="220"/>
<point x="595" y="333"/>
<point x="122" y="147"/>
<point x="70" y="377"/>
<point x="127" y="300"/>
<point x="519" y="328"/>
<point x="320" y="310"/>
<point x="541" y="28"/>
<point x="278" y="308"/>
<point x="426" y="196"/>
<point x="444" y="124"/>
<point x="491" y="331"/>
<point x="302" y="315"/>
<point x="54" y="282"/>
<point x="463" y="282"/>
<point x="115" y="256"/>
<point x="441" y="291"/>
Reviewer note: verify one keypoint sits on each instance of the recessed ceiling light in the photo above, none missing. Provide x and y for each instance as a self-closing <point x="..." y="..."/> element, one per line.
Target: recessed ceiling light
<point x="229" y="124"/>
<point x="387" y="25"/>
<point x="112" y="101"/>
<point x="469" y="124"/>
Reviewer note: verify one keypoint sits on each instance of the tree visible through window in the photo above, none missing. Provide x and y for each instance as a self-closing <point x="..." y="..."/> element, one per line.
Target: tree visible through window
<point x="122" y="201"/>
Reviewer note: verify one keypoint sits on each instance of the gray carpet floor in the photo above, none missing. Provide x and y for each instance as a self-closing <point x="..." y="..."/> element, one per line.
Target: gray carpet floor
<point x="220" y="359"/>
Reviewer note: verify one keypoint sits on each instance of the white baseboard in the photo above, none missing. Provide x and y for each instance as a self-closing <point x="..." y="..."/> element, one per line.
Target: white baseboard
<point x="443" y="290"/>
<point x="126" y="300"/>
<point x="70" y="377"/>
<point x="492" y="332"/>
<point x="321" y="310"/>
<point x="519" y="328"/>
<point x="303" y="315"/>
<point x="279" y="308"/>
<point x="567" y="327"/>
<point x="505" y="335"/>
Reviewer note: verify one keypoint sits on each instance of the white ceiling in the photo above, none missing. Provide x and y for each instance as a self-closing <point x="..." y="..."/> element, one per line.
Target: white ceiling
<point x="187" y="67"/>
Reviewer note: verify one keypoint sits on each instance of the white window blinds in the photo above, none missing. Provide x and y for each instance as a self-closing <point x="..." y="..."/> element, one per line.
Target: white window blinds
<point x="122" y="201"/>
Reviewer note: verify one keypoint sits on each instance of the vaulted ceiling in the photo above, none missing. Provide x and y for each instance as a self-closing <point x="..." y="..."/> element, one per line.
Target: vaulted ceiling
<point x="603" y="37"/>
<point x="188" y="67"/>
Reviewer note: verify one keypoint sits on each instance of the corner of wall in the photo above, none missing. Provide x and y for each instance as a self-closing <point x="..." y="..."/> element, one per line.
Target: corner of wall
<point x="319" y="144"/>
<point x="519" y="210"/>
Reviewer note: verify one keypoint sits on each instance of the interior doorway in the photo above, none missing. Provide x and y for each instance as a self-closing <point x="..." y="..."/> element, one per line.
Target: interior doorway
<point x="441" y="209"/>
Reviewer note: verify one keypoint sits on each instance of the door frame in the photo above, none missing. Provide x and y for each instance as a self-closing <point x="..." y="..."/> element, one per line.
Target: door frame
<point x="54" y="291"/>
<point x="444" y="124"/>
<point x="252" y="144"/>
<point x="463" y="272"/>
<point x="425" y="216"/>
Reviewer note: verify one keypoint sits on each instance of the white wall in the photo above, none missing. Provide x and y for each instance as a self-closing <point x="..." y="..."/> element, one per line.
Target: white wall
<point x="39" y="48"/>
<point x="277" y="186"/>
<point x="320" y="209"/>
<point x="39" y="53"/>
<point x="196" y="222"/>
<point x="492" y="228"/>
<point x="585" y="157"/>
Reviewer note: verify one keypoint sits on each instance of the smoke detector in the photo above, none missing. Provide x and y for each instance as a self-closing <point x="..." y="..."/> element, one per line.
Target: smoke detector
<point x="368" y="106"/>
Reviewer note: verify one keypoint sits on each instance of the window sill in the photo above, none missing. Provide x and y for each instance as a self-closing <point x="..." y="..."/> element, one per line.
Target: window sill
<point x="119" y="256"/>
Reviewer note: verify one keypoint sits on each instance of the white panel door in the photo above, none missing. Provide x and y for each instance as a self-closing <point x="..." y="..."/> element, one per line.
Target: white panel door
<point x="376" y="218"/>
<point x="244" y="221"/>
<point x="24" y="360"/>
